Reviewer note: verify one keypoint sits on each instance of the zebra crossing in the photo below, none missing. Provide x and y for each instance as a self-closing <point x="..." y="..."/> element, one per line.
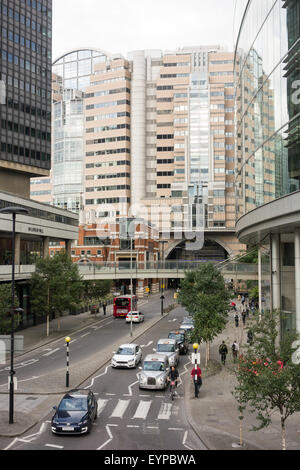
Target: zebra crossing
<point x="136" y="409"/>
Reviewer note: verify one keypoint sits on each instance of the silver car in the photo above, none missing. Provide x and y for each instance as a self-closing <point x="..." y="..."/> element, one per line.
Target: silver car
<point x="154" y="373"/>
<point x="170" y="348"/>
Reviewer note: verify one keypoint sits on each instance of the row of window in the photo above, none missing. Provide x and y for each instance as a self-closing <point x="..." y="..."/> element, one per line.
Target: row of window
<point x="107" y="104"/>
<point x="174" y="75"/>
<point x="108" y="164"/>
<point x="111" y="176"/>
<point x="25" y="130"/>
<point x="108" y="92"/>
<point x="108" y="200"/>
<point x="41" y="50"/>
<point x="110" y="152"/>
<point x="28" y="109"/>
<point x="112" y="127"/>
<point x="14" y="14"/>
<point x="110" y="80"/>
<point x="100" y="117"/>
<point x="108" y="188"/>
<point x="26" y="86"/>
<point x="24" y="152"/>
<point x="110" y="139"/>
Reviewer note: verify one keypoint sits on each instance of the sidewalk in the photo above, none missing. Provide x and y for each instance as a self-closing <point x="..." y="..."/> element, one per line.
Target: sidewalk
<point x="214" y="416"/>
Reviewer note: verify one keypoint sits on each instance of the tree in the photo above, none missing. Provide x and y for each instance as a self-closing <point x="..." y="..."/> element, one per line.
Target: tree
<point x="267" y="378"/>
<point x="56" y="286"/>
<point x="5" y="309"/>
<point x="97" y="290"/>
<point x="203" y="293"/>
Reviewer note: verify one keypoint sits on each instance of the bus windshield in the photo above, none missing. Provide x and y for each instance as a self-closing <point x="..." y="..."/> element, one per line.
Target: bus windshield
<point x="122" y="302"/>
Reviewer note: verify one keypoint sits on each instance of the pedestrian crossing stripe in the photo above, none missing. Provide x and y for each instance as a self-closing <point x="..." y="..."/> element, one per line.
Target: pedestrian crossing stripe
<point x="140" y="411"/>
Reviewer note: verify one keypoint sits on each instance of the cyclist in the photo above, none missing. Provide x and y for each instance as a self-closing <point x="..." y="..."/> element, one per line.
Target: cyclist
<point x="173" y="376"/>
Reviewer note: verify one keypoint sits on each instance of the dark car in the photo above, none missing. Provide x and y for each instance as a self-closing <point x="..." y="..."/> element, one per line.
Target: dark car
<point x="181" y="339"/>
<point x="75" y="413"/>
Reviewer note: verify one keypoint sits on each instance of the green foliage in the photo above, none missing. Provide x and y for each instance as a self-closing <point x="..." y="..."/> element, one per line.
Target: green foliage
<point x="268" y="380"/>
<point x="5" y="307"/>
<point x="56" y="286"/>
<point x="204" y="295"/>
<point x="96" y="290"/>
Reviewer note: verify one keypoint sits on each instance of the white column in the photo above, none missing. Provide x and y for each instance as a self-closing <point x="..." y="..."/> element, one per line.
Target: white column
<point x="275" y="275"/>
<point x="297" y="277"/>
<point x="138" y="128"/>
<point x="259" y="280"/>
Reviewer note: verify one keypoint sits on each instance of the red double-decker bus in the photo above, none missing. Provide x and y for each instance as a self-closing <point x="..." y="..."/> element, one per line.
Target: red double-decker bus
<point x="124" y="304"/>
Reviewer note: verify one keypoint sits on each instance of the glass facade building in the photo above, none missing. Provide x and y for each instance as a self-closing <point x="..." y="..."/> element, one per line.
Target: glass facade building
<point x="268" y="141"/>
<point x="25" y="75"/>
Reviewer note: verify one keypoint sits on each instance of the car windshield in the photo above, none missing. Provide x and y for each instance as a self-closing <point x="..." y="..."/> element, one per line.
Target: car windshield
<point x="125" y="351"/>
<point x="154" y="366"/>
<point x="165" y="348"/>
<point x="177" y="336"/>
<point x="73" y="404"/>
<point x="122" y="302"/>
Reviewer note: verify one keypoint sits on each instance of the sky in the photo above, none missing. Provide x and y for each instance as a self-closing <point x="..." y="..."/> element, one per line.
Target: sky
<point x="120" y="26"/>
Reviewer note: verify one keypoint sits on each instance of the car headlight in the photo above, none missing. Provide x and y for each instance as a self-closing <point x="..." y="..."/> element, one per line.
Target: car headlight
<point x="143" y="378"/>
<point x="83" y="423"/>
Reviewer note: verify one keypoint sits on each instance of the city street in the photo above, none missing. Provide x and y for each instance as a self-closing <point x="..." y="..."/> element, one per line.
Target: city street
<point x="128" y="418"/>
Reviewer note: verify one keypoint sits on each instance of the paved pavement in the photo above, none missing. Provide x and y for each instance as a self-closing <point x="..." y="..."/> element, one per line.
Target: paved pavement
<point x="213" y="416"/>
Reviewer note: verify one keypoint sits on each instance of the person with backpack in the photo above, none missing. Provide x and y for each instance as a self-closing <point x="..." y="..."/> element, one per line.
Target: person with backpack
<point x="236" y="319"/>
<point x="235" y="349"/>
<point x="223" y="351"/>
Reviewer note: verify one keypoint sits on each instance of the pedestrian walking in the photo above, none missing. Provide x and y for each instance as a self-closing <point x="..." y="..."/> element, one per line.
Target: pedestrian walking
<point x="236" y="319"/>
<point x="233" y="306"/>
<point x="104" y="308"/>
<point x="243" y="300"/>
<point x="235" y="349"/>
<point x="250" y="337"/>
<point x="197" y="380"/>
<point x="223" y="351"/>
<point x="244" y="317"/>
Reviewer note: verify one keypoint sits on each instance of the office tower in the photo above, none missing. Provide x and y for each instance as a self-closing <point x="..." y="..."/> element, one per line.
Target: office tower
<point x="25" y="71"/>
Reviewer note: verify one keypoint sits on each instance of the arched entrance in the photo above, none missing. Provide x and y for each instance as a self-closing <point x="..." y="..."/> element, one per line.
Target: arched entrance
<point x="211" y="251"/>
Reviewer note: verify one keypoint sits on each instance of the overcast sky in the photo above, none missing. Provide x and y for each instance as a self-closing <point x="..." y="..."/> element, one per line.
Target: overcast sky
<point x="126" y="25"/>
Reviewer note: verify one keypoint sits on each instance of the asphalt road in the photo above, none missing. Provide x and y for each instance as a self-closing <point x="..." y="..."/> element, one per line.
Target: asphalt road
<point x="128" y="418"/>
<point x="84" y="344"/>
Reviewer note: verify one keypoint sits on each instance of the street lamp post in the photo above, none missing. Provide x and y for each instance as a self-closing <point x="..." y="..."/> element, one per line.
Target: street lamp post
<point x="68" y="340"/>
<point x="131" y="284"/>
<point x="14" y="211"/>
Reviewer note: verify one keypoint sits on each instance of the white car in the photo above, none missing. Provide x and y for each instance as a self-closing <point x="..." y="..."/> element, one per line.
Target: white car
<point x="135" y="317"/>
<point x="128" y="356"/>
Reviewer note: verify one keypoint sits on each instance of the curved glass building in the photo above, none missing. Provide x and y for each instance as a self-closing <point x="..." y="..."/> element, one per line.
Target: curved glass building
<point x="71" y="76"/>
<point x="268" y="142"/>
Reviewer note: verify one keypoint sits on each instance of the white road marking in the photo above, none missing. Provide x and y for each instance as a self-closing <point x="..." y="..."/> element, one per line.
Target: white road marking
<point x="175" y="429"/>
<point x="110" y="437"/>
<point x="101" y="405"/>
<point x="19" y="381"/>
<point x="184" y="440"/>
<point x="97" y="376"/>
<point x="51" y="352"/>
<point x="22" y="364"/>
<point x="130" y="387"/>
<point x="86" y="334"/>
<point x="120" y="409"/>
<point x="54" y="446"/>
<point x="12" y="443"/>
<point x="110" y="394"/>
<point x="147" y="345"/>
<point x="142" y="410"/>
<point x="132" y="426"/>
<point x="165" y="411"/>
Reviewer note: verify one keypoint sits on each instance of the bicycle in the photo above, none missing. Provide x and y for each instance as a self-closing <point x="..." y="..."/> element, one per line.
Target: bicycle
<point x="172" y="389"/>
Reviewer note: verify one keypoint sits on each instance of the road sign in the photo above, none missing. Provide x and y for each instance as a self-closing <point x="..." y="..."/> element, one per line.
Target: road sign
<point x="196" y="358"/>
